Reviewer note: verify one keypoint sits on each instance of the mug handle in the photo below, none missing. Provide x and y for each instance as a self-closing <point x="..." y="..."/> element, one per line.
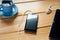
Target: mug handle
<point x="15" y="8"/>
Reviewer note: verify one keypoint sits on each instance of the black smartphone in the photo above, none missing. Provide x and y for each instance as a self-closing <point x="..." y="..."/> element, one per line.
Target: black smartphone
<point x="55" y="30"/>
<point x="31" y="22"/>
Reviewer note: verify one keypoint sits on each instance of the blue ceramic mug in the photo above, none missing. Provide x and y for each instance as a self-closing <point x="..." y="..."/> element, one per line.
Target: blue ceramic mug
<point x="7" y="9"/>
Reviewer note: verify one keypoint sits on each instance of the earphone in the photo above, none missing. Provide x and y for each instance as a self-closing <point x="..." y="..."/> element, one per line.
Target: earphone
<point x="49" y="10"/>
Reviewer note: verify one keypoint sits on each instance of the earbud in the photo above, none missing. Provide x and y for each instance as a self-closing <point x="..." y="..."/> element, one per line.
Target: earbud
<point x="49" y="10"/>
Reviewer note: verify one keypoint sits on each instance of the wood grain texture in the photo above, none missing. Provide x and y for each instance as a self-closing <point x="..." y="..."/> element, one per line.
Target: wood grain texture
<point x="9" y="27"/>
<point x="33" y="0"/>
<point x="40" y="6"/>
<point x="42" y="34"/>
<point x="12" y="24"/>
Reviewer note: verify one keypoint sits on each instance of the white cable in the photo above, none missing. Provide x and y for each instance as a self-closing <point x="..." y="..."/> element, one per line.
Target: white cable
<point x="19" y="32"/>
<point x="28" y="11"/>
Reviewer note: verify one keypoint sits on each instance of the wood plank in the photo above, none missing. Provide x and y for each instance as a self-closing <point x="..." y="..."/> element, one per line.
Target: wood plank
<point x="41" y="6"/>
<point x="42" y="34"/>
<point x="12" y="36"/>
<point x="34" y="0"/>
<point x="38" y="6"/>
<point x="12" y="24"/>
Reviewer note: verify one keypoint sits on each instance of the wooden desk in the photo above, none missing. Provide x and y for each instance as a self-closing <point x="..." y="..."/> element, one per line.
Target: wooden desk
<point x="42" y="34"/>
<point x="9" y="31"/>
<point x="9" y="27"/>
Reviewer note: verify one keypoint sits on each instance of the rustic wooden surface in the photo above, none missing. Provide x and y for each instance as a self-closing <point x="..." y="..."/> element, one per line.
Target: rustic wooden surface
<point x="9" y="27"/>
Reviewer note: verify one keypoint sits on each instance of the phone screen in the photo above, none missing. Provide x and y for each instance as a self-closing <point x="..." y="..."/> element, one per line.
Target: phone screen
<point x="31" y="22"/>
<point x="55" y="30"/>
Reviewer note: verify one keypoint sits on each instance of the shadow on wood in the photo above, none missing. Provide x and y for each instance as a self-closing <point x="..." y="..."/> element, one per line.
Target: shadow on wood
<point x="9" y="21"/>
<point x="54" y="38"/>
<point x="31" y="32"/>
